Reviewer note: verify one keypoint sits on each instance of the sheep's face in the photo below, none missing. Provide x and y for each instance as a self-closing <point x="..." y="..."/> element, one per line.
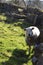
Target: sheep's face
<point x="32" y="32"/>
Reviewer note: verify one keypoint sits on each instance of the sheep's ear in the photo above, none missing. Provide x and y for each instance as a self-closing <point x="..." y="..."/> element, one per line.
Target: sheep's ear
<point x="32" y="28"/>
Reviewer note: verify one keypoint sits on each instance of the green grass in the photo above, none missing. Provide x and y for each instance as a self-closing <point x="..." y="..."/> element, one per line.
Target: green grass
<point x="13" y="48"/>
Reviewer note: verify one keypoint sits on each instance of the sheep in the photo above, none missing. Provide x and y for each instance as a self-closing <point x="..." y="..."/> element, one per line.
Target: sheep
<point x="31" y="36"/>
<point x="32" y="33"/>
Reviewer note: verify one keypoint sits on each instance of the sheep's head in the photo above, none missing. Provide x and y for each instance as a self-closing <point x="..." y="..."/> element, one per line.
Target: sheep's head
<point x="32" y="32"/>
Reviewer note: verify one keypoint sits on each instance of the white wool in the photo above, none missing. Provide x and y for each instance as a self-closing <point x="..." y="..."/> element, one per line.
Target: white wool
<point x="35" y="32"/>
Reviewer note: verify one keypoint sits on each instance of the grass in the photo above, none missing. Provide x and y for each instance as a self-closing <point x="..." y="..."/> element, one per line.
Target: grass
<point x="13" y="48"/>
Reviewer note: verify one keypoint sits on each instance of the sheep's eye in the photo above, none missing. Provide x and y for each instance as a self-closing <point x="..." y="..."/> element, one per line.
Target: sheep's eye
<point x="28" y="34"/>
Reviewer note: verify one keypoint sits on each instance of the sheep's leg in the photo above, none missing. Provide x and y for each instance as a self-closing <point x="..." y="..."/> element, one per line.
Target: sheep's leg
<point x="29" y="51"/>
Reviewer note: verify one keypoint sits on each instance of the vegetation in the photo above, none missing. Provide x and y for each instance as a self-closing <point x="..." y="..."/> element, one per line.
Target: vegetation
<point x="13" y="48"/>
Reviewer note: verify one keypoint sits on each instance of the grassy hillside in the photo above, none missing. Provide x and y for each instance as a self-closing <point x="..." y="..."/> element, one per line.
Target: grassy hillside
<point x="13" y="48"/>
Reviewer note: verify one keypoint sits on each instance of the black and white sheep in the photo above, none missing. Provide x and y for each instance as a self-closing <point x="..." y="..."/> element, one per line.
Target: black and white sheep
<point x="32" y="33"/>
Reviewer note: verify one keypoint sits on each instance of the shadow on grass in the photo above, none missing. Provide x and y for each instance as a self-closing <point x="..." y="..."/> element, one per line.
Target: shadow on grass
<point x="19" y="57"/>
